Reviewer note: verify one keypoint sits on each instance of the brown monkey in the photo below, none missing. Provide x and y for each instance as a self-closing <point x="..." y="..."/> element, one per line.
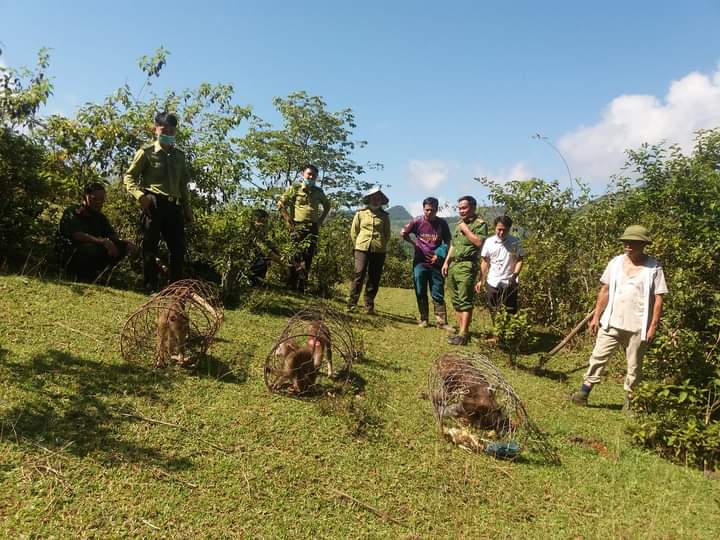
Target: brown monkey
<point x="299" y="369"/>
<point x="320" y="343"/>
<point x="476" y="402"/>
<point x="173" y="329"/>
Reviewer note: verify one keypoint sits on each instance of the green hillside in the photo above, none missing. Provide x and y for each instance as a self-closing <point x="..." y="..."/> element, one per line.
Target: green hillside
<point x="92" y="447"/>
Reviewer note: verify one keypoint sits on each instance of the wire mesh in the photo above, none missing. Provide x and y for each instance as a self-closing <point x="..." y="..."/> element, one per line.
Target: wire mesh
<point x="177" y="325"/>
<point x="476" y="407"/>
<point x="317" y="341"/>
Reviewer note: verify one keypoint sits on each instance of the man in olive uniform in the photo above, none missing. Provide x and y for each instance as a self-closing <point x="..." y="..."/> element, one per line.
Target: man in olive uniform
<point x="158" y="179"/>
<point x="88" y="242"/>
<point x="461" y="265"/>
<point x="300" y="207"/>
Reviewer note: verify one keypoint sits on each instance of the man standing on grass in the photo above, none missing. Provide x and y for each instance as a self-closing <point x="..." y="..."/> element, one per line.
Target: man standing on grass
<point x="158" y="178"/>
<point x="461" y="265"/>
<point x="502" y="260"/>
<point x="630" y="300"/>
<point x="300" y="208"/>
<point x="431" y="232"/>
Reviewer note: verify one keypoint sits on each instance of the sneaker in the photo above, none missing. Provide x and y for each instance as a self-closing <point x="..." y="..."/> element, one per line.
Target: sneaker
<point x="460" y="339"/>
<point x="580" y="398"/>
<point x="445" y="326"/>
<point x="423" y="324"/>
<point x="370" y="310"/>
<point x="627" y="407"/>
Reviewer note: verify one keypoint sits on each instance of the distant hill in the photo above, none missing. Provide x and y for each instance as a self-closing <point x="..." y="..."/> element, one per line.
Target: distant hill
<point x="399" y="212"/>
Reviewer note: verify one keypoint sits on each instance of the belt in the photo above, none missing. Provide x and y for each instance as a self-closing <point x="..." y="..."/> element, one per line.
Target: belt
<point x="169" y="198"/>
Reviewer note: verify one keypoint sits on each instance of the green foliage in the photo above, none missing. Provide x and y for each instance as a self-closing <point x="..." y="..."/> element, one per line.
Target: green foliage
<point x="397" y="271"/>
<point x="513" y="332"/>
<point x="681" y="421"/>
<point x="333" y="262"/>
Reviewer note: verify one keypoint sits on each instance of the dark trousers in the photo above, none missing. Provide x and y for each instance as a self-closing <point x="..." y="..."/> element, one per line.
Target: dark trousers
<point x="304" y="239"/>
<point x="165" y="220"/>
<point x="87" y="261"/>
<point x="370" y="264"/>
<point x="424" y="277"/>
<point x="503" y="296"/>
<point x="258" y="269"/>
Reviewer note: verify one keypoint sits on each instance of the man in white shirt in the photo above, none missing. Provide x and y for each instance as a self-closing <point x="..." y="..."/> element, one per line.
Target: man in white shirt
<point x="630" y="301"/>
<point x="502" y="260"/>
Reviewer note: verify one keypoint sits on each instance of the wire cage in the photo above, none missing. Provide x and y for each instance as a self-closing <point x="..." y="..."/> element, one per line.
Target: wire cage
<point x="176" y="326"/>
<point x="316" y="341"/>
<point x="477" y="408"/>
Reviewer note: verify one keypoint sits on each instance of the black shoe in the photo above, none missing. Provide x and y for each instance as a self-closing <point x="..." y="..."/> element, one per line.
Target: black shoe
<point x="460" y="339"/>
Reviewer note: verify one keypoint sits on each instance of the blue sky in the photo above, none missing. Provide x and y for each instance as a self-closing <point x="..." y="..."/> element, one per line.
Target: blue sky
<point x="442" y="91"/>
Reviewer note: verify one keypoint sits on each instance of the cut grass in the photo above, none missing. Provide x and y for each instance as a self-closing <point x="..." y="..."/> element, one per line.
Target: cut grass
<point x="93" y="447"/>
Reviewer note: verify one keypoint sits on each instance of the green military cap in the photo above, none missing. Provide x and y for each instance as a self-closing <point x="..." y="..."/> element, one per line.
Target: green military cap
<point x="637" y="233"/>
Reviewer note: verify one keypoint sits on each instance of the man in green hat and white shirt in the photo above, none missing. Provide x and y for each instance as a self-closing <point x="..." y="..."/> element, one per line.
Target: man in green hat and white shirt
<point x="627" y="312"/>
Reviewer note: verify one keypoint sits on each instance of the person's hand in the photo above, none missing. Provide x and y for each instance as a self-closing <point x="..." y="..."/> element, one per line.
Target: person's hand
<point x="478" y="287"/>
<point x="433" y="259"/>
<point x="147" y="202"/>
<point x="110" y="247"/>
<point x="444" y="269"/>
<point x="463" y="228"/>
<point x="651" y="331"/>
<point x="593" y="325"/>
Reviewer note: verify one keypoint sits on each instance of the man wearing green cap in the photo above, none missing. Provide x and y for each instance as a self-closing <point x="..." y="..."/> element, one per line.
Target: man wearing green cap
<point x="627" y="312"/>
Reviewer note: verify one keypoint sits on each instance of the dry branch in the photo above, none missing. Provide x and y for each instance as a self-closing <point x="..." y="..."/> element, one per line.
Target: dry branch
<point x="377" y="512"/>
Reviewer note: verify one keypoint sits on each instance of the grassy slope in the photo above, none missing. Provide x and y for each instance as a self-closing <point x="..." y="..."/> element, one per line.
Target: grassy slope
<point x="72" y="466"/>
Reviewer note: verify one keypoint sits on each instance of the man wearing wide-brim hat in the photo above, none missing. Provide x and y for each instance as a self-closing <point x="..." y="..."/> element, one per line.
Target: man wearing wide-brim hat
<point x="370" y="233"/>
<point x="627" y="312"/>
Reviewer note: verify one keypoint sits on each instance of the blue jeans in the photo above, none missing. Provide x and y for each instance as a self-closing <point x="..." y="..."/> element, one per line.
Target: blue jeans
<point x="422" y="277"/>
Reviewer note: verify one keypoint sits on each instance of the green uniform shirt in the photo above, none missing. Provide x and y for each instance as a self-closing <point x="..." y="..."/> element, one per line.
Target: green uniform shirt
<point x="370" y="230"/>
<point x="303" y="202"/>
<point x="157" y="171"/>
<point x="463" y="249"/>
<point x="79" y="218"/>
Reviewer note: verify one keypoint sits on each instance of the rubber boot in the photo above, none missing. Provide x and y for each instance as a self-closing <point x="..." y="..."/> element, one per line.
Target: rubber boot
<point x="441" y="317"/>
<point x="423" y="308"/>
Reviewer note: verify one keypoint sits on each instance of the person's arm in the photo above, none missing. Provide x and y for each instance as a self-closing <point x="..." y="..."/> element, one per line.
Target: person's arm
<point x="446" y="264"/>
<point x="406" y="231"/>
<point x="517" y="267"/>
<point x="656" y="314"/>
<point x="325" y="202"/>
<point x="185" y="194"/>
<point x="600" y="305"/>
<point x="355" y="227"/>
<point x="475" y="240"/>
<point x="282" y="204"/>
<point x="386" y="230"/>
<point x="132" y="180"/>
<point x="484" y="266"/>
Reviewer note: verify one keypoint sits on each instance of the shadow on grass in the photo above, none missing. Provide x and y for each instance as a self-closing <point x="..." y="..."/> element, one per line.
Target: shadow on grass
<point x="235" y="372"/>
<point x="74" y="404"/>
<point x="608" y="406"/>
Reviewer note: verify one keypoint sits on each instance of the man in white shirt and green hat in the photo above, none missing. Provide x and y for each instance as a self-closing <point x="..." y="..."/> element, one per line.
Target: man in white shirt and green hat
<point x="627" y="312"/>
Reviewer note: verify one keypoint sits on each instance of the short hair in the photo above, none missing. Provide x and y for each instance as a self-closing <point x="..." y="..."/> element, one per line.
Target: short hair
<point x="260" y="214"/>
<point x="505" y="220"/>
<point x="166" y="119"/>
<point x="432" y="201"/>
<point x="470" y="199"/>
<point x="312" y="167"/>
<point x="92" y="187"/>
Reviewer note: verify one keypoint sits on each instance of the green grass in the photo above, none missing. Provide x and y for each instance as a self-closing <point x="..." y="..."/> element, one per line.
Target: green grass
<point x="240" y="462"/>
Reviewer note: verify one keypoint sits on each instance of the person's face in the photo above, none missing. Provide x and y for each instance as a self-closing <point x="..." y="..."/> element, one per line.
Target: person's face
<point x="375" y="200"/>
<point x="633" y="247"/>
<point x="501" y="231"/>
<point x="260" y="224"/>
<point x="165" y="130"/>
<point x="309" y="174"/>
<point x="430" y="212"/>
<point x="96" y="200"/>
<point x="465" y="209"/>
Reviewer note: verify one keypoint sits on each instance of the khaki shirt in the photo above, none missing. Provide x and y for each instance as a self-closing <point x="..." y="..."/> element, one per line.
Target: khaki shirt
<point x="463" y="249"/>
<point x="303" y="203"/>
<point x="156" y="171"/>
<point x="370" y="230"/>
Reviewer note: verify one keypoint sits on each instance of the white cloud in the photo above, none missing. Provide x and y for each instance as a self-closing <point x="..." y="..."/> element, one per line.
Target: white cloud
<point x="518" y="171"/>
<point x="598" y="151"/>
<point x="428" y="174"/>
<point x="445" y="209"/>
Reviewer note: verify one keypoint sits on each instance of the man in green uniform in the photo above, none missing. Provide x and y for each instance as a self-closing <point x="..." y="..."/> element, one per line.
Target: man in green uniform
<point x="461" y="265"/>
<point x="300" y="207"/>
<point x="158" y="179"/>
<point x="88" y="242"/>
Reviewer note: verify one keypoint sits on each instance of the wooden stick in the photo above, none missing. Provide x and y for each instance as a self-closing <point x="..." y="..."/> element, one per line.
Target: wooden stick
<point x="366" y="506"/>
<point x="170" y="424"/>
<point x="77" y="331"/>
<point x="544" y="358"/>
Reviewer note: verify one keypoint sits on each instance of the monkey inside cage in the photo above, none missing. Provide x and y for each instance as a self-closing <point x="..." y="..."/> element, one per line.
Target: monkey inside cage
<point x="477" y="409"/>
<point x="176" y="326"/>
<point x="316" y="342"/>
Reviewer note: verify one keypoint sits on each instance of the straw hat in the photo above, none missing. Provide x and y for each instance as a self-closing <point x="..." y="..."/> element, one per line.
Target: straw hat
<point x="373" y="191"/>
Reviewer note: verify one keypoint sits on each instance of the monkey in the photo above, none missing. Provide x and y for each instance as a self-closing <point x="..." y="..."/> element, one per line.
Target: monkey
<point x="320" y="343"/>
<point x="173" y="330"/>
<point x="299" y="369"/>
<point x="476" y="404"/>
